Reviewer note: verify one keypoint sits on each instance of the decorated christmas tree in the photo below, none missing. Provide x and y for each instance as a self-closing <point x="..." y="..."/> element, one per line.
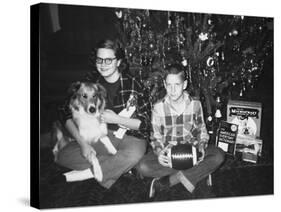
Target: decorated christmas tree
<point x="223" y="55"/>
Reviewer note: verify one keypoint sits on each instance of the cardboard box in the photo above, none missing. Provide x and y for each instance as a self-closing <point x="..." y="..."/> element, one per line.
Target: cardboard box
<point x="249" y="157"/>
<point x="249" y="144"/>
<point x="247" y="115"/>
<point x="250" y="148"/>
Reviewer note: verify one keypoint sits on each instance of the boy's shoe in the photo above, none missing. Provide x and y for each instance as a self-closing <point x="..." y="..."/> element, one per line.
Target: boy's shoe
<point x="158" y="184"/>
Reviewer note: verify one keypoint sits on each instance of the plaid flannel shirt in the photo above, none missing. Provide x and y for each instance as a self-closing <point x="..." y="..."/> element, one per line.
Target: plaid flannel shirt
<point x="171" y="127"/>
<point x="128" y="85"/>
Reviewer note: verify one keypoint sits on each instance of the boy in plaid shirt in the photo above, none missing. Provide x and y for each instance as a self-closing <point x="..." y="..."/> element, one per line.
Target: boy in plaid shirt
<point x="178" y="119"/>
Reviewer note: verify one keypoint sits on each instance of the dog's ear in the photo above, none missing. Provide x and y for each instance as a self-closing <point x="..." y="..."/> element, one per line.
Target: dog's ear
<point x="74" y="87"/>
<point x="73" y="103"/>
<point x="101" y="91"/>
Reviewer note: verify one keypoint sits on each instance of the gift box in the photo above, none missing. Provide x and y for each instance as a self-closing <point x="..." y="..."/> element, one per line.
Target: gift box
<point x="247" y="115"/>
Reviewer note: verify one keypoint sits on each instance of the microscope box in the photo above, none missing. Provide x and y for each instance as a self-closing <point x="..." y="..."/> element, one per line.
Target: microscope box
<point x="247" y="115"/>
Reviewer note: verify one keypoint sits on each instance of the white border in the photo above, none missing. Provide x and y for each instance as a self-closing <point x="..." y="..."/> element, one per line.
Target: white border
<point x="15" y="98"/>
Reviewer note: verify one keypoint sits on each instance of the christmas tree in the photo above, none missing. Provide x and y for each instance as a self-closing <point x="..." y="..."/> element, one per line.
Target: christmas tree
<point x="223" y="55"/>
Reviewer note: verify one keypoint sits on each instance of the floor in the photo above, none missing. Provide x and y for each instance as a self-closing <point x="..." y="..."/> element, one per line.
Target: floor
<point x="234" y="178"/>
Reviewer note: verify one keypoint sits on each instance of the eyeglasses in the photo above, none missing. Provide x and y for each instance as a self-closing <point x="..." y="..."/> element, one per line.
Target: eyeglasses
<point x="107" y="61"/>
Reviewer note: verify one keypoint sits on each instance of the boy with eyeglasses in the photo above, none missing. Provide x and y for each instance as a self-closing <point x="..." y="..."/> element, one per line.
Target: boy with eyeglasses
<point x="120" y="86"/>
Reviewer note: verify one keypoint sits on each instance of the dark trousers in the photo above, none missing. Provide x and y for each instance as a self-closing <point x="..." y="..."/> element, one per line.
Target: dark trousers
<point x="129" y="151"/>
<point x="150" y="167"/>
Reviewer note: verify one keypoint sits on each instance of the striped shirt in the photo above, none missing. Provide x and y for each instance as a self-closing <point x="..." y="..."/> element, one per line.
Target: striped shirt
<point x="128" y="86"/>
<point x="171" y="127"/>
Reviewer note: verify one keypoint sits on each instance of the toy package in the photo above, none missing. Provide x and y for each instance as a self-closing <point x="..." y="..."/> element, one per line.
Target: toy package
<point x="247" y="115"/>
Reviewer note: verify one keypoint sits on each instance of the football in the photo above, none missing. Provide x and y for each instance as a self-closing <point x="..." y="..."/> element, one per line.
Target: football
<point x="183" y="156"/>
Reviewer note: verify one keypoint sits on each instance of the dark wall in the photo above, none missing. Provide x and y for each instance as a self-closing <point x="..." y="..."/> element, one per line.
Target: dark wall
<point x="81" y="28"/>
<point x="64" y="53"/>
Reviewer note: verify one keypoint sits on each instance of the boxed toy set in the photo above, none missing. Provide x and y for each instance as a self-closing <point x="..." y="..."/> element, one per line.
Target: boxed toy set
<point x="246" y="116"/>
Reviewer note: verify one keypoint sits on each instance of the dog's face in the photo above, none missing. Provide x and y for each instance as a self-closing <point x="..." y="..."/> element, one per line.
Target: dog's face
<point x="87" y="96"/>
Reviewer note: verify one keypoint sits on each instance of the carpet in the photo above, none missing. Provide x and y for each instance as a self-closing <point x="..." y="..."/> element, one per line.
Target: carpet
<point x="128" y="189"/>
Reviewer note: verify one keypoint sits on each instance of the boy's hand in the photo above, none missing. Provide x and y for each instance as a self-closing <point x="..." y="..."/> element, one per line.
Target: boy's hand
<point x="163" y="159"/>
<point x="109" y="116"/>
<point x="201" y="149"/>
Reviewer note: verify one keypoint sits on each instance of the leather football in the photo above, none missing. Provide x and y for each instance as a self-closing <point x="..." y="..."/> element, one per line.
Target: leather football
<point x="183" y="156"/>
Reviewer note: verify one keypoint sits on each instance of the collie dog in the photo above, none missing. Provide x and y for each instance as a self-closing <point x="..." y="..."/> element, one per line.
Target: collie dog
<point x="87" y="102"/>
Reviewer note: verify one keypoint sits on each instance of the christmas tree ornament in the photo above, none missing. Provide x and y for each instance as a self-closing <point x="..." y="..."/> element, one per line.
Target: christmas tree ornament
<point x="241" y="93"/>
<point x="203" y="36"/>
<point x="218" y="114"/>
<point x="234" y="32"/>
<point x="184" y="62"/>
<point x="210" y="61"/>
<point x="209" y="125"/>
<point x="119" y="14"/>
<point x="222" y="55"/>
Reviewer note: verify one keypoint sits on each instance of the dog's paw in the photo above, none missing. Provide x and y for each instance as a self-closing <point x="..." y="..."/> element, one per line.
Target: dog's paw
<point x="97" y="169"/>
<point x="112" y="151"/>
<point x="108" y="145"/>
<point x="98" y="173"/>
